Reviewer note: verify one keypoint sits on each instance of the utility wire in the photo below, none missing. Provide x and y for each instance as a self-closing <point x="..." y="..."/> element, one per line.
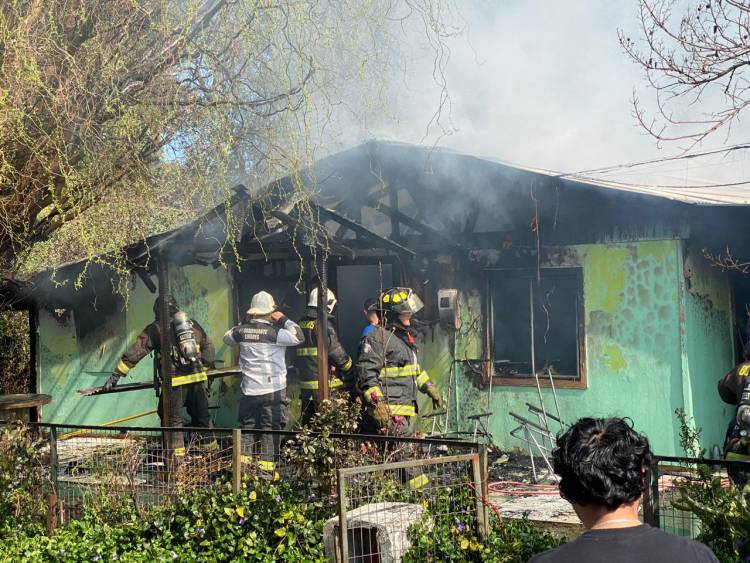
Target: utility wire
<point x="612" y="168"/>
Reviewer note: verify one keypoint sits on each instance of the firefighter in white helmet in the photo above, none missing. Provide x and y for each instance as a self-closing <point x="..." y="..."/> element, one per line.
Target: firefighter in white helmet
<point x="263" y="340"/>
<point x="306" y="356"/>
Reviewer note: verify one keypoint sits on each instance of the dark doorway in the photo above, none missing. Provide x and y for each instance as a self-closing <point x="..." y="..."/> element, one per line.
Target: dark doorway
<point x="355" y="284"/>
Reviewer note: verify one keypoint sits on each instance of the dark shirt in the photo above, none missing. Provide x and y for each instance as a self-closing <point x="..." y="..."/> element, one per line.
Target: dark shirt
<point x="638" y="544"/>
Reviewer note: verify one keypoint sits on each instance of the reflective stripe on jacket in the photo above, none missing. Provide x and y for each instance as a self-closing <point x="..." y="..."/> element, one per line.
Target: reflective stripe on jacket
<point x="306" y="356"/>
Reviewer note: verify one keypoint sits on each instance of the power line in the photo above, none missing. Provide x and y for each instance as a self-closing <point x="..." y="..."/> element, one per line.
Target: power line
<point x="657" y="160"/>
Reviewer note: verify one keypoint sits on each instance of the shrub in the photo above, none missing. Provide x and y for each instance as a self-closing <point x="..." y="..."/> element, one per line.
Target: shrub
<point x="721" y="510"/>
<point x="315" y="455"/>
<point x="264" y="522"/>
<point x="447" y="533"/>
<point x="22" y="480"/>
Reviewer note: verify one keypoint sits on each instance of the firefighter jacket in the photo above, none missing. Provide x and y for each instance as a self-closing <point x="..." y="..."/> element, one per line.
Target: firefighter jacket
<point x="736" y="445"/>
<point x="263" y="346"/>
<point x="732" y="384"/>
<point x="182" y="371"/>
<point x="388" y="370"/>
<point x="306" y="356"/>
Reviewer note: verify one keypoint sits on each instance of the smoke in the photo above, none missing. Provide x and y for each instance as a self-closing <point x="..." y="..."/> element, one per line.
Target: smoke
<point x="537" y="83"/>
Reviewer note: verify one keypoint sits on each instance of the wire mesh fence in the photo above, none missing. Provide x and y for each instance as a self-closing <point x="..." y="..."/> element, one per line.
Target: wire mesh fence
<point x="669" y="480"/>
<point x="86" y="465"/>
<point x="384" y="508"/>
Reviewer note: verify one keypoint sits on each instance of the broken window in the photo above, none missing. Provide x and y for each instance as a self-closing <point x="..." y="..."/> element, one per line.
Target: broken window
<point x="537" y="324"/>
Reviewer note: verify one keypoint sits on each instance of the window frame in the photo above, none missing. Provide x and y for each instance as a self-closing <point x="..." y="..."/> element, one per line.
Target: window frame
<point x="490" y="377"/>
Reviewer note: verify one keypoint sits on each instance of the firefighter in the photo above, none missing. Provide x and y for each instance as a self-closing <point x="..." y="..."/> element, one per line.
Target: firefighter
<point x="190" y="353"/>
<point x="737" y="441"/>
<point x="388" y="371"/>
<point x="306" y="357"/>
<point x="262" y="341"/>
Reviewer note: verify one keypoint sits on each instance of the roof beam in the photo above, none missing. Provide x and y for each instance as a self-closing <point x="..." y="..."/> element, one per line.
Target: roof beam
<point x="410" y="222"/>
<point x="364" y="231"/>
<point x="290" y="221"/>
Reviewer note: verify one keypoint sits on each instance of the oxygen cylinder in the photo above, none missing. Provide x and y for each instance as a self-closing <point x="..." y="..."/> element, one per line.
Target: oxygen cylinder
<point x="743" y="409"/>
<point x="183" y="330"/>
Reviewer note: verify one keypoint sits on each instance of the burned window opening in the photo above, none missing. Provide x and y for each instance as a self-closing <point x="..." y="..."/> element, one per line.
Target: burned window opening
<point x="536" y="324"/>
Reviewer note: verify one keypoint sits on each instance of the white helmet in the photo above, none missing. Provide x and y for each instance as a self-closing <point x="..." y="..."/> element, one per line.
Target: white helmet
<point x="313" y="301"/>
<point x="262" y="304"/>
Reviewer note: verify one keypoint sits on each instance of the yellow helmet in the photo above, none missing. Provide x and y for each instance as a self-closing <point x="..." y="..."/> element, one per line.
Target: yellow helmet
<point x="400" y="300"/>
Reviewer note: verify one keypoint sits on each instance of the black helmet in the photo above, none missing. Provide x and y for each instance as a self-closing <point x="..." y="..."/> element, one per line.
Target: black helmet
<point x="400" y="300"/>
<point x="172" y="306"/>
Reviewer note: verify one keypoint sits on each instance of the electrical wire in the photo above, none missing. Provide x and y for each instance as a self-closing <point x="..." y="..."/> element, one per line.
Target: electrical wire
<point x="587" y="175"/>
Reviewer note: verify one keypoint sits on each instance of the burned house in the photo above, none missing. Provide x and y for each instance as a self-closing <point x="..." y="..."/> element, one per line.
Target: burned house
<point x="603" y="291"/>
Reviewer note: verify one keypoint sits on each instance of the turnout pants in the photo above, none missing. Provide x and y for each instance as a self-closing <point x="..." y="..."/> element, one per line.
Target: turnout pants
<point x="194" y="397"/>
<point x="263" y="412"/>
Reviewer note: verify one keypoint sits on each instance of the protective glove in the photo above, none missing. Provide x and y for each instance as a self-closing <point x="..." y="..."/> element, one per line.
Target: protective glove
<point x="112" y="381"/>
<point x="434" y="394"/>
<point x="380" y="414"/>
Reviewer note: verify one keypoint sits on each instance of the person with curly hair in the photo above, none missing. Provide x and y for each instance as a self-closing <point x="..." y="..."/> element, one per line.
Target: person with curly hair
<point x="602" y="464"/>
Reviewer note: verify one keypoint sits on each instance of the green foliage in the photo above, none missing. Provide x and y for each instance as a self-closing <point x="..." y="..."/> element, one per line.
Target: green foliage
<point x="22" y="481"/>
<point x="447" y="532"/>
<point x="14" y="351"/>
<point x="722" y="510"/>
<point x="315" y="454"/>
<point x="264" y="522"/>
<point x="690" y="435"/>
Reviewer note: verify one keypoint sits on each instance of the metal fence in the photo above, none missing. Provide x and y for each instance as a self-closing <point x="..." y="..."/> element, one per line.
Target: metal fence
<point x="87" y="464"/>
<point x="382" y="508"/>
<point x="666" y="481"/>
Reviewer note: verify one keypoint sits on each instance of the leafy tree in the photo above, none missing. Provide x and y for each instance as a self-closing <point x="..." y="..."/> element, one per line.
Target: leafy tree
<point x="119" y="118"/>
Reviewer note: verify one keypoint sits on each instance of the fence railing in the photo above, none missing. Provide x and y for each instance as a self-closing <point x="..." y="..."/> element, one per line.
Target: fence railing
<point x="665" y="481"/>
<point x="85" y="464"/>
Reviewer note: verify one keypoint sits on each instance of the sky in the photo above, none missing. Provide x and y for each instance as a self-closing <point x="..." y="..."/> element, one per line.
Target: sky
<point x="545" y="84"/>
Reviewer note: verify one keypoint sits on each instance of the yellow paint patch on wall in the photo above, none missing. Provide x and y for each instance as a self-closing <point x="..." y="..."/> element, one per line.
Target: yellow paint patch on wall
<point x="613" y="357"/>
<point x="604" y="277"/>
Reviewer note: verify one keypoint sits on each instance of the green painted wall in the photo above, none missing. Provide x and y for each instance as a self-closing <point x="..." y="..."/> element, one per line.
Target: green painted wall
<point x="64" y="367"/>
<point x="708" y="345"/>
<point x="634" y="358"/>
<point x="65" y="364"/>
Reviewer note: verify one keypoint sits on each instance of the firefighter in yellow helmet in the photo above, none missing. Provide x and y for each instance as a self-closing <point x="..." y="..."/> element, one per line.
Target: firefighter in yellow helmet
<point x="306" y="356"/>
<point x="734" y="389"/>
<point x="388" y="371"/>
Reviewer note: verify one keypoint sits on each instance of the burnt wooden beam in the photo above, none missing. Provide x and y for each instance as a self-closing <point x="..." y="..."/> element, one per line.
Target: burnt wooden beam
<point x="395" y="224"/>
<point x="329" y="243"/>
<point x="412" y="223"/>
<point x="365" y="232"/>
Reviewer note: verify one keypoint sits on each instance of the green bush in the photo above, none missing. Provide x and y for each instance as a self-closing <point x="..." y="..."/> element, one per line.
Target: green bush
<point x="447" y="532"/>
<point x="264" y="522"/>
<point x="722" y="511"/>
<point x="22" y="481"/>
<point x="314" y="455"/>
<point x="450" y="539"/>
